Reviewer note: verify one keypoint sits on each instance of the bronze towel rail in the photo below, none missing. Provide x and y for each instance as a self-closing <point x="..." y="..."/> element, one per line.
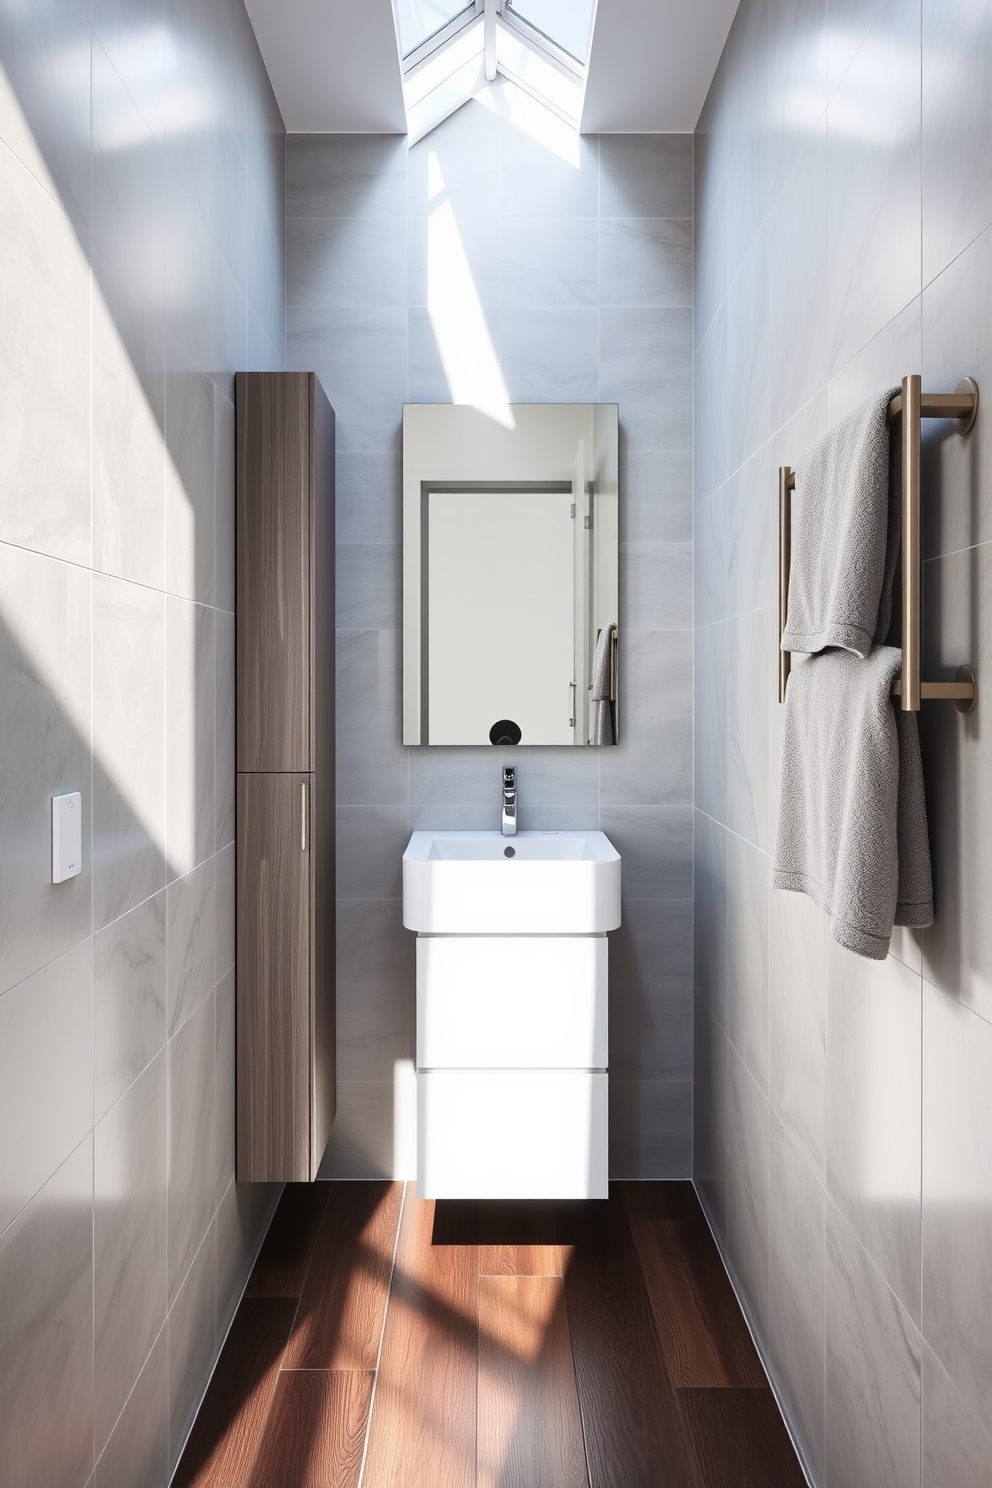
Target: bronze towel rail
<point x="911" y="405"/>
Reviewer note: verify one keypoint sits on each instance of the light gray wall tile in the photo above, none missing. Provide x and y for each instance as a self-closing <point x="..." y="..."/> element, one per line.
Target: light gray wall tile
<point x="191" y="1142"/>
<point x="372" y="763"/>
<point x="652" y="764"/>
<point x="956" y="1447"/>
<point x="451" y="241"/>
<point x="645" y="175"/>
<point x="343" y="175"/>
<point x="752" y="666"/>
<point x="957" y="124"/>
<point x="873" y="1370"/>
<point x="650" y="1129"/>
<point x="536" y="181"/>
<point x="655" y="843"/>
<point x="646" y="367"/>
<point x="224" y="724"/>
<point x="345" y="261"/>
<point x="709" y="902"/>
<point x="368" y="497"/>
<point x="360" y="356"/>
<point x="651" y="992"/>
<point x="458" y="164"/>
<point x="362" y="1138"/>
<point x="129" y="999"/>
<point x="657" y="593"/>
<point x="551" y="353"/>
<point x="367" y="591"/>
<point x="550" y="261"/>
<point x="656" y="495"/>
<point x="746" y="972"/>
<point x="957" y="1195"/>
<point x="191" y="941"/>
<point x="370" y="843"/>
<point x="46" y="1328"/>
<point x="136" y="1456"/>
<point x="645" y="261"/>
<point x="192" y="1344"/>
<point x="130" y="1181"/>
<point x="234" y="1250"/>
<point x="745" y="1118"/>
<point x="190" y="692"/>
<point x="798" y="1037"/>
<point x="710" y="661"/>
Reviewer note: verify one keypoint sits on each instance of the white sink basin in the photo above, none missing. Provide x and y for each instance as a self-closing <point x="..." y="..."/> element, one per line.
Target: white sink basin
<point x="536" y="883"/>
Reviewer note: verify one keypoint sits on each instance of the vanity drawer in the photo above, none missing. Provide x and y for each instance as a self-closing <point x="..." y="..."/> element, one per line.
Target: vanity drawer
<point x="512" y="1002"/>
<point x="511" y="1134"/>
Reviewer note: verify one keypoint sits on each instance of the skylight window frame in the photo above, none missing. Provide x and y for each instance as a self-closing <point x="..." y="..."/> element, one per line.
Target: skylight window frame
<point x="544" y="43"/>
<point x="440" y="39"/>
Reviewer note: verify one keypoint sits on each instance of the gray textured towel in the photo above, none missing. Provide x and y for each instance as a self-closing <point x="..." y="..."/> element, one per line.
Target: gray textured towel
<point x="603" y="715"/>
<point x="852" y="824"/>
<point x="845" y="537"/>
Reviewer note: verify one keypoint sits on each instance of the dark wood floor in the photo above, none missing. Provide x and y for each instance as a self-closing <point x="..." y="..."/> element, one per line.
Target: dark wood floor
<point x="390" y="1342"/>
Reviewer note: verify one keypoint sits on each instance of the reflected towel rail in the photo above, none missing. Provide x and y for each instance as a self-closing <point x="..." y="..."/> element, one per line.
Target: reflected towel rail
<point x="911" y="406"/>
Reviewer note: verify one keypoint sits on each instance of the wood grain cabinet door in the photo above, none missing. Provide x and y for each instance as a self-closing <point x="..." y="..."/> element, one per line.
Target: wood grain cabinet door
<point x="273" y="996"/>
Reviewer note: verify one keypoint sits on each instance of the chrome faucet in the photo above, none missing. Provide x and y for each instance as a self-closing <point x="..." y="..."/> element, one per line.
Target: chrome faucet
<point x="509" y="826"/>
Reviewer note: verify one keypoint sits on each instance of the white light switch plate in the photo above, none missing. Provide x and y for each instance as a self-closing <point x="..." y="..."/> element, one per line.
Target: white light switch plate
<point x="67" y="836"/>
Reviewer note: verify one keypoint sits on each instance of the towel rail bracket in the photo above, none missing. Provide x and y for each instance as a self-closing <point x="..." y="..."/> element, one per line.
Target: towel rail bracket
<point x="910" y="406"/>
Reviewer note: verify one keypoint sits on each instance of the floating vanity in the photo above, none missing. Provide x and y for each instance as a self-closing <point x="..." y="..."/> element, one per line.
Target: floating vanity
<point x="512" y="984"/>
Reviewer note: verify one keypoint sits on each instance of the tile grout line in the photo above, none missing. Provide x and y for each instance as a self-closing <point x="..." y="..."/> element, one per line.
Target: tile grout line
<point x="382" y="1337"/>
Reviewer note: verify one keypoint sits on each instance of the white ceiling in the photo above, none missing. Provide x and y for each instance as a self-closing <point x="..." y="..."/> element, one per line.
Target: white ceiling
<point x="334" y="64"/>
<point x="652" y="63"/>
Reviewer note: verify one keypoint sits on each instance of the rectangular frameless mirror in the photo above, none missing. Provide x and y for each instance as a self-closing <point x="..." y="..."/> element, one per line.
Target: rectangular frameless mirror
<point x="510" y="564"/>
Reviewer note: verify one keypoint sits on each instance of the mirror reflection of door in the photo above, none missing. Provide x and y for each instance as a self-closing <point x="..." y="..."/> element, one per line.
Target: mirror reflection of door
<point x="499" y="636"/>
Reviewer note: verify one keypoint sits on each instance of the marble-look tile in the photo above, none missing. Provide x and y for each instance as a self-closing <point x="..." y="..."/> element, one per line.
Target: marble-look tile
<point x="536" y="181"/>
<point x="651" y="992"/>
<point x="752" y="664"/>
<point x="957" y="343"/>
<point x="46" y="1088"/>
<point x="44" y="372"/>
<point x="652" y="764"/>
<point x="360" y="357"/>
<point x="225" y="1099"/>
<point x="129" y="1000"/>
<point x="748" y="356"/>
<point x="128" y="214"/>
<point x="191" y="143"/>
<point x="711" y="422"/>
<point x="45" y="100"/>
<point x="747" y="1120"/>
<point x="709" y="899"/>
<point x="750" y="539"/>
<point x="130" y="1177"/>
<point x="657" y="587"/>
<point x="656" y="495"/>
<point x="873" y="183"/>
<point x="191" y="941"/>
<point x="797" y="1037"/>
<point x="137" y="1454"/>
<point x="444" y="364"/>
<point x="458" y="163"/>
<point x="957" y="1195"/>
<point x="190" y="692"/>
<point x="882" y="362"/>
<point x="376" y="960"/>
<point x="189" y="477"/>
<point x="192" y="1345"/>
<point x="46" y="1332"/>
<point x="224" y="494"/>
<point x="486" y="818"/>
<point x="369" y="497"/>
<point x="655" y="843"/>
<point x="362" y="1137"/>
<point x="957" y="949"/>
<point x="746" y="975"/>
<point x="141" y="68"/>
<point x="796" y="1302"/>
<point x="446" y="240"/>
<point x="554" y="819"/>
<point x="645" y="175"/>
<point x="370" y="845"/>
<point x="344" y="261"/>
<point x="645" y="261"/>
<point x="191" y="1141"/>
<point x="234" y="1251"/>
<point x="849" y="22"/>
<point x="797" y="50"/>
<point x="709" y="1089"/>
<point x="343" y="175"/>
<point x="453" y="776"/>
<point x="551" y="354"/>
<point x="226" y="904"/>
<point x="263" y="1200"/>
<point x="546" y="776"/>
<point x="367" y="590"/>
<point x="45" y="675"/>
<point x="650" y="1130"/>
<point x="645" y="361"/>
<point x="371" y="760"/>
<point x="224" y="725"/>
<point x="957" y="124"/>
<point x="710" y="662"/>
<point x="550" y="261"/>
<point x="711" y="577"/>
<point x="873" y="1372"/>
<point x="129" y="451"/>
<point x="874" y="1099"/>
<point x="956" y="1447"/>
<point x="797" y="284"/>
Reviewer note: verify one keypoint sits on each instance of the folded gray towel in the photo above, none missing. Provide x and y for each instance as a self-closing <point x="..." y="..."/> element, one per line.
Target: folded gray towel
<point x="845" y="537"/>
<point x="603" y="713"/>
<point x="852" y="823"/>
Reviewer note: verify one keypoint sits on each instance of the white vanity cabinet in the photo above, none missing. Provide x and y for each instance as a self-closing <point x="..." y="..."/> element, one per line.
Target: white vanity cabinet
<point x="512" y="1031"/>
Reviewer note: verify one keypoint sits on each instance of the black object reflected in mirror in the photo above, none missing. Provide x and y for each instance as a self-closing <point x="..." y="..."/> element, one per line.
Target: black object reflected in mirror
<point x="504" y="731"/>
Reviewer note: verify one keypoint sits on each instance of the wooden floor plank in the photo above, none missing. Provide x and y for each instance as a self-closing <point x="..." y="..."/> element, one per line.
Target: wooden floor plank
<point x="739" y="1440"/>
<point x="281" y="1267"/>
<point x="423" y="1432"/>
<point x="634" y="1432"/>
<point x="228" y="1431"/>
<point x="316" y="1432"/>
<point x="704" y="1338"/>
<point x="520" y="1239"/>
<point x="662" y="1201"/>
<point x="530" y="1432"/>
<point x="339" y="1322"/>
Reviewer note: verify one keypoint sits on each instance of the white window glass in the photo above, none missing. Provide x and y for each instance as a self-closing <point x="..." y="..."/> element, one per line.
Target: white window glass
<point x="419" y="20"/>
<point x="568" y="23"/>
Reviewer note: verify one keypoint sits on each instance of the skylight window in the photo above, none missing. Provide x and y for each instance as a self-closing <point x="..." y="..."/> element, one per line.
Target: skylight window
<point x="567" y="23"/>
<point x="419" y="20"/>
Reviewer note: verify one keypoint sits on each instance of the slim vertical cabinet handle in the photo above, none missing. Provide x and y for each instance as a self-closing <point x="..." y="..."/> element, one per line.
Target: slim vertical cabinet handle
<point x="304" y="818"/>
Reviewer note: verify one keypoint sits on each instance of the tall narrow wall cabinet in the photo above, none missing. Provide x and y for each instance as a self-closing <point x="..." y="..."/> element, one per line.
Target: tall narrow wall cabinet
<point x="285" y="763"/>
